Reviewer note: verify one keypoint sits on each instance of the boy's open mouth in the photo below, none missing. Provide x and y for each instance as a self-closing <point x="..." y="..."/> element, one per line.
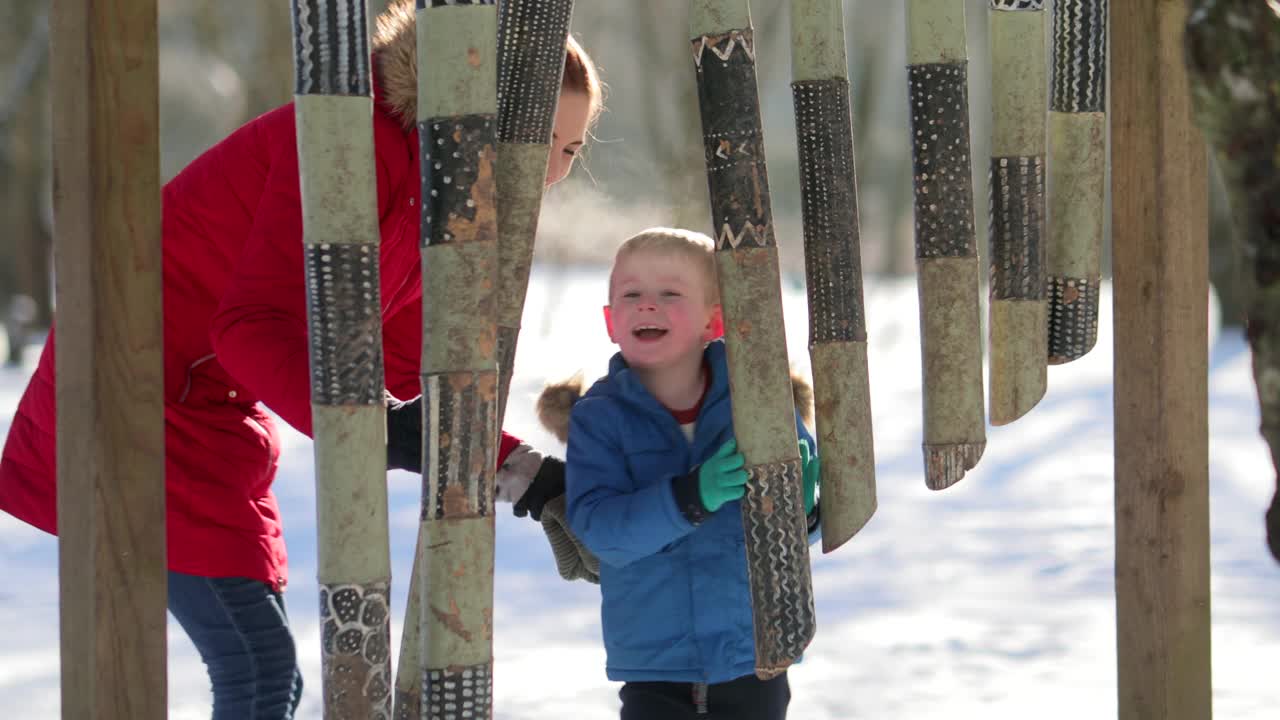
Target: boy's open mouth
<point x="648" y="332"/>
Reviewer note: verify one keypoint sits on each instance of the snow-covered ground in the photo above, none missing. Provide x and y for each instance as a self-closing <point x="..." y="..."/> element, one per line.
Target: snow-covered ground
<point x="992" y="599"/>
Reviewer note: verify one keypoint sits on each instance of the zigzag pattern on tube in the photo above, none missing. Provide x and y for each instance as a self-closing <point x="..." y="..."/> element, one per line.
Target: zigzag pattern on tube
<point x="778" y="561"/>
<point x="345" y="324"/>
<point x="733" y="140"/>
<point x="1079" y="69"/>
<point x="331" y="46"/>
<point x="530" y="66"/>
<point x="1017" y="4"/>
<point x="829" y="209"/>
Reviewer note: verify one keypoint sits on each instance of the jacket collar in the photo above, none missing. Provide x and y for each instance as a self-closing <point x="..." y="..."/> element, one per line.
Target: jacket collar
<point x="624" y="384"/>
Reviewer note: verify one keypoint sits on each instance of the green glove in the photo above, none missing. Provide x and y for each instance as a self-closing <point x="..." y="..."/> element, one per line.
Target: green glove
<point x="811" y="470"/>
<point x="721" y="478"/>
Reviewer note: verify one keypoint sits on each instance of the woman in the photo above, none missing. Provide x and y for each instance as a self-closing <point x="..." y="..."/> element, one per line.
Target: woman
<point x="235" y="334"/>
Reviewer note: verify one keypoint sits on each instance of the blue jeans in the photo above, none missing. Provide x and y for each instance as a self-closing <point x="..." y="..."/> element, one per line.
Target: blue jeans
<point x="241" y="630"/>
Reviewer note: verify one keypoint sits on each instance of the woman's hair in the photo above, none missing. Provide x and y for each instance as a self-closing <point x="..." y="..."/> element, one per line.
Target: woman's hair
<point x="395" y="45"/>
<point x="581" y="75"/>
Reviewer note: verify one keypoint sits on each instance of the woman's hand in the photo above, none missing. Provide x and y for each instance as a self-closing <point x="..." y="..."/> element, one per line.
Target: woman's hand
<point x="547" y="485"/>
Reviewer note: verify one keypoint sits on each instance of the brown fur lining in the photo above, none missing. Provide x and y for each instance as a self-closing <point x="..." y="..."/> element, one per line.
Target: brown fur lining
<point x="395" y="47"/>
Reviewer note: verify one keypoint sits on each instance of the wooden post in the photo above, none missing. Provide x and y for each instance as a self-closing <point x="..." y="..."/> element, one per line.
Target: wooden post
<point x="111" y="506"/>
<point x="1160" y="244"/>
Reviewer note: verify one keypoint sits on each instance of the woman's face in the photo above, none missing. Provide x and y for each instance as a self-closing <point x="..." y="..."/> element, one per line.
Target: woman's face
<point x="570" y="132"/>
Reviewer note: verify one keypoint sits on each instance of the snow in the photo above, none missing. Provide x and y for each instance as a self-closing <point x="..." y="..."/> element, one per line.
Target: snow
<point x="992" y="599"/>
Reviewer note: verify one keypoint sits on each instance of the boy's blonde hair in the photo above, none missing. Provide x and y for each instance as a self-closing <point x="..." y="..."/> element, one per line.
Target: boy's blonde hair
<point x="693" y="246"/>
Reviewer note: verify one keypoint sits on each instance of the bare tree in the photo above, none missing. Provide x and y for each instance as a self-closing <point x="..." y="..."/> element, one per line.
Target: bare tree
<point x="1233" y="49"/>
<point x="25" y="289"/>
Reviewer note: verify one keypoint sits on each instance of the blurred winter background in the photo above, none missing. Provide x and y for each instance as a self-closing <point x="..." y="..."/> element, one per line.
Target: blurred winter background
<point x="993" y="599"/>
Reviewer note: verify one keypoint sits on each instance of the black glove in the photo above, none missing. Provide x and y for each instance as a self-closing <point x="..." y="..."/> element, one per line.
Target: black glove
<point x="547" y="485"/>
<point x="404" y="434"/>
<point x="1273" y="526"/>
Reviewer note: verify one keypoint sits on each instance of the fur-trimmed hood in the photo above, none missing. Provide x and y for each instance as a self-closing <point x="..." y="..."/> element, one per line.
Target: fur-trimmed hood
<point x="557" y="399"/>
<point x="395" y="61"/>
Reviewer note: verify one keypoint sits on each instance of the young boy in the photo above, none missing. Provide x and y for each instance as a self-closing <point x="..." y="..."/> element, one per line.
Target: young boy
<point x="654" y="482"/>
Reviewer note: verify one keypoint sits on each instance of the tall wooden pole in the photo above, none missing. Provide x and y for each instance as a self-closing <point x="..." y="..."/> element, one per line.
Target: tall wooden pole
<point x="1160" y="264"/>
<point x="833" y="266"/>
<point x="333" y="104"/>
<point x="111" y="499"/>
<point x="457" y="119"/>
<point x="751" y="295"/>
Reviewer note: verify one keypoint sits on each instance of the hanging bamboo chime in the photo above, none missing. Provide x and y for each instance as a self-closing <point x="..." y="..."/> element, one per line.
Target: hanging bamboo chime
<point x="531" y="49"/>
<point x="531" y="52"/>
<point x="333" y="103"/>
<point x="1017" y="310"/>
<point x="833" y="266"/>
<point x="1077" y="175"/>
<point x="946" y="250"/>
<point x="751" y="297"/>
<point x="457" y="119"/>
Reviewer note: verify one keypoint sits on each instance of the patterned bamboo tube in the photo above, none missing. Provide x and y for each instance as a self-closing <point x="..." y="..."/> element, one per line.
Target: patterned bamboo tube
<point x="457" y="127"/>
<point x="408" y="692"/>
<point x="946" y="251"/>
<point x="334" y="108"/>
<point x="833" y="264"/>
<point x="751" y="296"/>
<point x="1077" y="176"/>
<point x="1017" y="321"/>
<point x="531" y="40"/>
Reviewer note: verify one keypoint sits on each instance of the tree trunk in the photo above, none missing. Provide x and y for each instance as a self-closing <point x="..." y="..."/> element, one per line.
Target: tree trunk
<point x="1233" y="50"/>
<point x="25" y="260"/>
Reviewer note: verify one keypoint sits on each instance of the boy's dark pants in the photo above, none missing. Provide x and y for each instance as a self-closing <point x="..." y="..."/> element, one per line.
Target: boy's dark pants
<point x="746" y="698"/>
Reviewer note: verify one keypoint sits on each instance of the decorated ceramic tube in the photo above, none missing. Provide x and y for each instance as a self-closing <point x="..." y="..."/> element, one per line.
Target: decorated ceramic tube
<point x="457" y="130"/>
<point x="531" y="49"/>
<point x="1017" y="309"/>
<point x="946" y="251"/>
<point x="833" y="266"/>
<point x="1077" y="176"/>
<point x="334" y="108"/>
<point x="751" y="298"/>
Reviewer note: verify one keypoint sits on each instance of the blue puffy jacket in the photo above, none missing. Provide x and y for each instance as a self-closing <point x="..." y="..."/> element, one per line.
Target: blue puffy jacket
<point x="675" y="599"/>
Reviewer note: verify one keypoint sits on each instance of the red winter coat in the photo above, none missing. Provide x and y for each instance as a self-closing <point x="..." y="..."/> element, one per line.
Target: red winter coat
<point x="235" y="334"/>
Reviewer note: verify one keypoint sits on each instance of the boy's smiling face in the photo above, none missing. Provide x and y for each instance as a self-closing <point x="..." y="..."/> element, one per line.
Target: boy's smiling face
<point x="660" y="309"/>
